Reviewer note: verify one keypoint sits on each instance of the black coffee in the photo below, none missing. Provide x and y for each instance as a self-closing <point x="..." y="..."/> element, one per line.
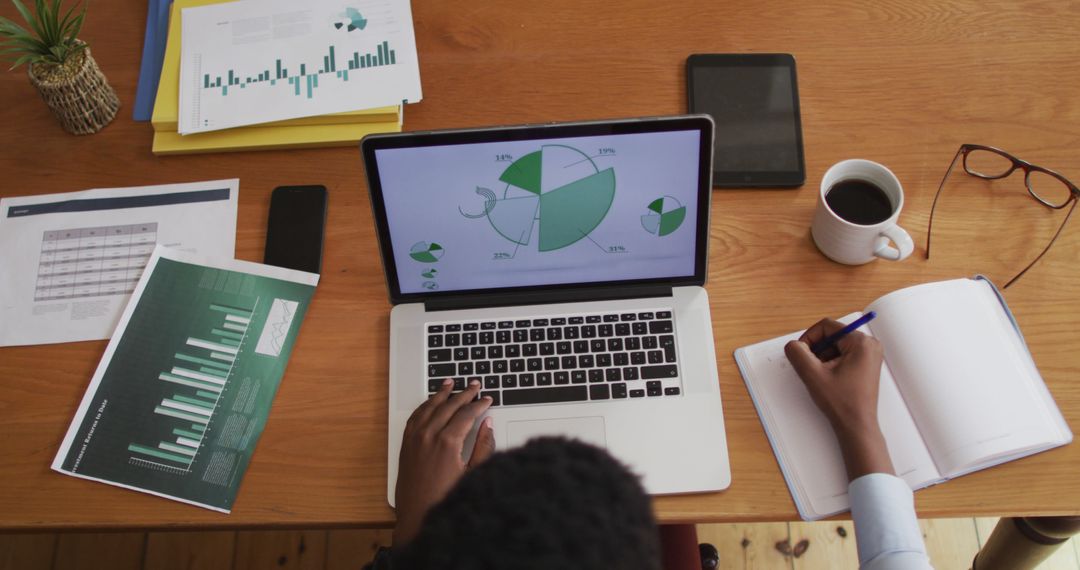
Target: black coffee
<point x="859" y="202"/>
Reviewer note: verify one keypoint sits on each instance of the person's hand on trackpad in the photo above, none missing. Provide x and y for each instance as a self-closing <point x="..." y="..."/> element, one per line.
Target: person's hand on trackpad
<point x="430" y="463"/>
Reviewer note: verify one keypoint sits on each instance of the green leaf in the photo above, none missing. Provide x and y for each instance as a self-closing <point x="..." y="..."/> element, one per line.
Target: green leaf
<point x="24" y="59"/>
<point x="30" y="20"/>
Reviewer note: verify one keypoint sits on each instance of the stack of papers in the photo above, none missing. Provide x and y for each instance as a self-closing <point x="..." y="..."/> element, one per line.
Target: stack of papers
<point x="262" y="74"/>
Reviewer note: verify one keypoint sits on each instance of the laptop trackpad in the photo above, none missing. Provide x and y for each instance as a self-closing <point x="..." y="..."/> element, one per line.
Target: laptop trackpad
<point x="587" y="429"/>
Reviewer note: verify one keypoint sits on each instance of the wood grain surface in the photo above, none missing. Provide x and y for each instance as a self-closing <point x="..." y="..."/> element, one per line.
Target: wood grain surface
<point x="899" y="82"/>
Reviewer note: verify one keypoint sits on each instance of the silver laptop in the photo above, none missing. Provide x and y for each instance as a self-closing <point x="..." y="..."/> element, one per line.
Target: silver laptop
<point x="561" y="266"/>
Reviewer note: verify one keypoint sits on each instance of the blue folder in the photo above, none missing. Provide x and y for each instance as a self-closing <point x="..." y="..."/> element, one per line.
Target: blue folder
<point x="157" y="32"/>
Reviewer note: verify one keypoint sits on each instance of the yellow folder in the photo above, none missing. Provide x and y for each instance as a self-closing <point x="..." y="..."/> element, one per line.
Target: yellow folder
<point x="167" y="104"/>
<point x="269" y="138"/>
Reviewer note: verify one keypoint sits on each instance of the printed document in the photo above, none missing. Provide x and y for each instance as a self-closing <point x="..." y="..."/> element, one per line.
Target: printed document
<point x="256" y="61"/>
<point x="184" y="389"/>
<point x="72" y="260"/>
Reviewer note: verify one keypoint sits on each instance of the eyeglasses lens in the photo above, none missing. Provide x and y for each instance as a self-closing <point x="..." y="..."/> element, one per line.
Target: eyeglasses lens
<point x="1048" y="188"/>
<point x="987" y="164"/>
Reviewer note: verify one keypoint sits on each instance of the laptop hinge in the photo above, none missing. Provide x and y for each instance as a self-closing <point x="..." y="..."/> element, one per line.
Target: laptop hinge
<point x="546" y="297"/>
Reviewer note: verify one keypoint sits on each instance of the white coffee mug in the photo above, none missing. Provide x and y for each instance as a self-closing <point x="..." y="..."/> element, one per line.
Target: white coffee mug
<point x="855" y="244"/>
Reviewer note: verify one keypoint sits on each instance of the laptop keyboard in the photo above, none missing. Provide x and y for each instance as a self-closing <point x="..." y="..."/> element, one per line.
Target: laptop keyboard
<point x="556" y="359"/>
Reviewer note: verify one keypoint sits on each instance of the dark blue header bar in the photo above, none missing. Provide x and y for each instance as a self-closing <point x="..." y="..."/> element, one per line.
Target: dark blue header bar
<point x="118" y="203"/>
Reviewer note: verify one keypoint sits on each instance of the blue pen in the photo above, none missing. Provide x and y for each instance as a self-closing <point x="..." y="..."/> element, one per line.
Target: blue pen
<point x="830" y="341"/>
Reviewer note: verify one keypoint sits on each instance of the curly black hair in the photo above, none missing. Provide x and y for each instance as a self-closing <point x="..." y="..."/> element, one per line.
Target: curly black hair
<point x="554" y="503"/>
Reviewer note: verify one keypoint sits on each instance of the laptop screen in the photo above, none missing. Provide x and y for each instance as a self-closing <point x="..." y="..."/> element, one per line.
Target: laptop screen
<point x="542" y="211"/>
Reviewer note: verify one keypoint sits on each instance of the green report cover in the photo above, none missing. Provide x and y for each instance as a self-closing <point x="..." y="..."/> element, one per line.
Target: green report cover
<point x="184" y="389"/>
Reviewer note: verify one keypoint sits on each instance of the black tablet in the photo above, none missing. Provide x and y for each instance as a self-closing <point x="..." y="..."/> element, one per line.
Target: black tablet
<point x="754" y="100"/>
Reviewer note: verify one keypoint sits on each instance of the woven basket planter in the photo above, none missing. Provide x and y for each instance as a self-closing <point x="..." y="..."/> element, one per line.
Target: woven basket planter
<point x="78" y="94"/>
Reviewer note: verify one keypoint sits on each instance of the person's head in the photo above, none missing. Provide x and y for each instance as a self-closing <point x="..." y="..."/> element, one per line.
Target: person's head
<point x="553" y="503"/>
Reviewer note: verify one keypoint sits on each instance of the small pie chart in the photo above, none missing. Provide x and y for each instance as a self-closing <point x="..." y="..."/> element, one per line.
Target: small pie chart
<point x="665" y="216"/>
<point x="425" y="252"/>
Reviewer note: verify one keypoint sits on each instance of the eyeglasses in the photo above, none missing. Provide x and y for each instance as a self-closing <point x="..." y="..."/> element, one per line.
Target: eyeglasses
<point x="1046" y="186"/>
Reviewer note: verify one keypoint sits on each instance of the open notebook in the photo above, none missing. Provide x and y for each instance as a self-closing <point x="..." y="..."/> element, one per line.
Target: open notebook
<point x="959" y="393"/>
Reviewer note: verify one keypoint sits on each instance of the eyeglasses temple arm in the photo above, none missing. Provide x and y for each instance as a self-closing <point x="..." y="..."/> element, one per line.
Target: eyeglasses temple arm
<point x="930" y="225"/>
<point x="1047" y="248"/>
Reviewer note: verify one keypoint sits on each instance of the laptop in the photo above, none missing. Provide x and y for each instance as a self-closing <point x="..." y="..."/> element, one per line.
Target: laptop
<point x="561" y="265"/>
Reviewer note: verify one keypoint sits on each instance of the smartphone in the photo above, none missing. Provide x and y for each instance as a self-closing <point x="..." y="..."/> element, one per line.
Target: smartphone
<point x="754" y="101"/>
<point x="294" y="232"/>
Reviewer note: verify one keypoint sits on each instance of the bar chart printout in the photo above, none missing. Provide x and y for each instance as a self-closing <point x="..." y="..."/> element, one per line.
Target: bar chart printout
<point x="185" y="386"/>
<point x="252" y="62"/>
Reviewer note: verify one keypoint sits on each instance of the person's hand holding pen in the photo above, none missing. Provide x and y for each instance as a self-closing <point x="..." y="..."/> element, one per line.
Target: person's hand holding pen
<point x="844" y="382"/>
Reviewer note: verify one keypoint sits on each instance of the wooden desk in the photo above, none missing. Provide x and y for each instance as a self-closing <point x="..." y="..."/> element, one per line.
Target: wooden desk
<point x="896" y="82"/>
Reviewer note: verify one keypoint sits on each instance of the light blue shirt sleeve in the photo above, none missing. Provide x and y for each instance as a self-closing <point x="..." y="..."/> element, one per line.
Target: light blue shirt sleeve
<point x="886" y="531"/>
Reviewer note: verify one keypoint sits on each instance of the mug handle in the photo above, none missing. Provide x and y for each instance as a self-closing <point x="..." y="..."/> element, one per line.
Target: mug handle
<point x="897" y="235"/>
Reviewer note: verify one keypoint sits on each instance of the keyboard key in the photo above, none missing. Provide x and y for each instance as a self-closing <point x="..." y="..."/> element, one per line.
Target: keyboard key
<point x="495" y="352"/>
<point x="627" y="317"/>
<point x="598" y="345"/>
<point x="528" y="349"/>
<point x="536" y="335"/>
<point x="547" y="348"/>
<point x="592" y="319"/>
<point x="552" y="362"/>
<point x="483" y="367"/>
<point x="596" y="376"/>
<point x="578" y="377"/>
<point x="513" y="350"/>
<point x="502" y="337"/>
<point x="434" y="384"/>
<point x="629" y="373"/>
<point x="581" y="346"/>
<point x="522" y="324"/>
<point x="493" y="395"/>
<point x="622" y="329"/>
<point x="563" y="347"/>
<point x="618" y="390"/>
<point x="439" y="355"/>
<point x="666" y="341"/>
<point x="441" y="370"/>
<point x="535" y="364"/>
<point x="653" y="388"/>
<point x="558" y="322"/>
<point x="639" y="328"/>
<point x="465" y="368"/>
<point x="613" y="375"/>
<point x="673" y="391"/>
<point x="491" y="382"/>
<point x="603" y="360"/>
<point x="554" y="333"/>
<point x="663" y="314"/>
<point x="459" y="383"/>
<point x="435" y="328"/>
<point x="434" y="341"/>
<point x="633" y="343"/>
<point x="477" y="353"/>
<point x="660" y="327"/>
<point x="543" y="379"/>
<point x="544" y="395"/>
<point x="611" y="318"/>
<point x="540" y="322"/>
<point x="620" y="359"/>
<point x="605" y="330"/>
<point x="588" y="331"/>
<point x="468" y="339"/>
<point x="645" y="316"/>
<point x="453" y="339"/>
<point x="571" y="332"/>
<point x="526" y="380"/>
<point x="600" y="392"/>
<point x="669" y="354"/>
<point x="470" y="326"/>
<point x="506" y="324"/>
<point x="517" y="365"/>
<point x="656" y="356"/>
<point x="659" y="371"/>
<point x="637" y="357"/>
<point x="487" y="337"/>
<point x="649" y="342"/>
<point x="562" y="378"/>
<point x="614" y="344"/>
<point x="499" y="366"/>
<point x="509" y="381"/>
<point x="521" y="335"/>
<point x="453" y="328"/>
<point x="576" y="320"/>
<point x="461" y="353"/>
<point x="585" y="361"/>
<point x="639" y="393"/>
<point x="488" y="326"/>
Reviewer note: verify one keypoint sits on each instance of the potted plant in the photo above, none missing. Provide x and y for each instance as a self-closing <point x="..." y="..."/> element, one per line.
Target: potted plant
<point x="60" y="65"/>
